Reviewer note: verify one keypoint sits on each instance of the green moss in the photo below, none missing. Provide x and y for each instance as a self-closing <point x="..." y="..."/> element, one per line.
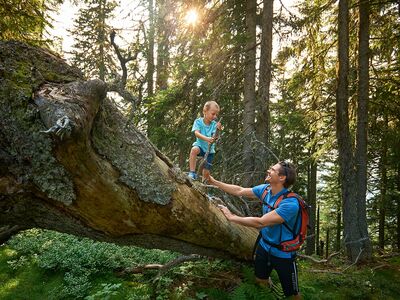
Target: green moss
<point x="31" y="151"/>
<point x="132" y="155"/>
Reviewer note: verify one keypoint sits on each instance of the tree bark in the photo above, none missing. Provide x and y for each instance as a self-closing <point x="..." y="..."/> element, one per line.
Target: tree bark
<point x="398" y="206"/>
<point x="312" y="201"/>
<point x="265" y="75"/>
<point x="327" y="243"/>
<point x="6" y="232"/>
<point x="383" y="186"/>
<point x="362" y="124"/>
<point x="163" y="30"/>
<point x="150" y="51"/>
<point x="69" y="163"/>
<point x="249" y="92"/>
<point x="317" y="235"/>
<point x="355" y="240"/>
<point x="102" y="39"/>
<point x="338" y="229"/>
<point x="263" y="98"/>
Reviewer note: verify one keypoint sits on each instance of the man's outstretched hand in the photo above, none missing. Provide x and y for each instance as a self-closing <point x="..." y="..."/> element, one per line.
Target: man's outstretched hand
<point x="225" y="211"/>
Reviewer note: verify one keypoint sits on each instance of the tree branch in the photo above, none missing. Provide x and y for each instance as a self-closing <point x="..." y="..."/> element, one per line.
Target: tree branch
<point x="162" y="268"/>
<point x="319" y="261"/>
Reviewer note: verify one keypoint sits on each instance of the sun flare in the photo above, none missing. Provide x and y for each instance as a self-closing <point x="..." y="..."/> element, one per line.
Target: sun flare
<point x="191" y="17"/>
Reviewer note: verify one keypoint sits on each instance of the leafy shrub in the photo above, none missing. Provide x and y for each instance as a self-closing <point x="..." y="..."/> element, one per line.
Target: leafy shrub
<point x="80" y="259"/>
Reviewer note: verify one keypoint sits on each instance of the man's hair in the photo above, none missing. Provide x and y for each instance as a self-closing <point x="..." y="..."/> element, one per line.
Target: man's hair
<point x="208" y="105"/>
<point x="289" y="170"/>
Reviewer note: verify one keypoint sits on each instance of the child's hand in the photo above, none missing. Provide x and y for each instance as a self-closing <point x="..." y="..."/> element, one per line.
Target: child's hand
<point x="219" y="126"/>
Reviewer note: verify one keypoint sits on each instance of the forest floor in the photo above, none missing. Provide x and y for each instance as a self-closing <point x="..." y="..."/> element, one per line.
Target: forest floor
<point x="40" y="264"/>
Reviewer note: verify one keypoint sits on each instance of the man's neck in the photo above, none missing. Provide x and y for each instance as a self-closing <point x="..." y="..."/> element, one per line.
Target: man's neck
<point x="275" y="189"/>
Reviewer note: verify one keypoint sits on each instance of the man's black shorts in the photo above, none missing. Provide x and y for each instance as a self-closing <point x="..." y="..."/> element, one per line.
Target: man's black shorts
<point x="286" y="268"/>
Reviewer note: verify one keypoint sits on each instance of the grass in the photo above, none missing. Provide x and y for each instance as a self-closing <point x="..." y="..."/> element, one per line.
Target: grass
<point x="27" y="282"/>
<point x="32" y="266"/>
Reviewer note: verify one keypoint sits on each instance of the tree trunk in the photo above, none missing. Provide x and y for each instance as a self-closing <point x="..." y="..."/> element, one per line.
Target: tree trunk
<point x="6" y="232"/>
<point x="398" y="206"/>
<point x="263" y="98"/>
<point x="353" y="238"/>
<point x="312" y="201"/>
<point x="327" y="243"/>
<point x="68" y="162"/>
<point x="163" y="30"/>
<point x="338" y="229"/>
<point x="263" y="119"/>
<point x="317" y="236"/>
<point x="150" y="53"/>
<point x="383" y="185"/>
<point x="362" y="125"/>
<point x="249" y="92"/>
<point x="102" y="39"/>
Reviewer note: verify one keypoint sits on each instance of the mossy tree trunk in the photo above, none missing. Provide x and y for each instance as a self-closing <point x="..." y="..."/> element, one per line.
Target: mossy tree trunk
<point x="69" y="162"/>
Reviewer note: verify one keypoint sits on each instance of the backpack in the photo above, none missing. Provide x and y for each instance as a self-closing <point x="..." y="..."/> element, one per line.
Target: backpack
<point x="303" y="217"/>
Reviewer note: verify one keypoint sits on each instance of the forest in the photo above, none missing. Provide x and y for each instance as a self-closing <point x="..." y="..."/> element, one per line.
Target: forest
<point x="95" y="136"/>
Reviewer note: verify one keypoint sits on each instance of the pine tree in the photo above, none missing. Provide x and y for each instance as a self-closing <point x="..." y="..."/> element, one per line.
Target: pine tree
<point x="92" y="50"/>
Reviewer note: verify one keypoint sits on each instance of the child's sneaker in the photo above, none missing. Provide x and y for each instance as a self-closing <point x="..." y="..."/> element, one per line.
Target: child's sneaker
<point x="192" y="175"/>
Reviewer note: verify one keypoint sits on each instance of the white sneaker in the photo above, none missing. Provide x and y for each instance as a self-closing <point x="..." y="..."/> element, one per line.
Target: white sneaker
<point x="192" y="175"/>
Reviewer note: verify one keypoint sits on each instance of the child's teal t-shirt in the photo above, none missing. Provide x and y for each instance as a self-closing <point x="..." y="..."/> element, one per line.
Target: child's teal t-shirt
<point x="207" y="130"/>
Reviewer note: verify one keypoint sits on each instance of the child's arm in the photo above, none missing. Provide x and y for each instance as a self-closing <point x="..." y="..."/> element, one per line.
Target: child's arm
<point x="203" y="137"/>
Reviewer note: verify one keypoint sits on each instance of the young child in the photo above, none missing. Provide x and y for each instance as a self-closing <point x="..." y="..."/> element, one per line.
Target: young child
<point x="204" y="129"/>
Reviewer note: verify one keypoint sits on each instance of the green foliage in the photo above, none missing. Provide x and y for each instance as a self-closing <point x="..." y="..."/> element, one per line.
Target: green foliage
<point x="25" y="20"/>
<point x="92" y="52"/>
<point x="108" y="289"/>
<point x="49" y="265"/>
<point x="80" y="260"/>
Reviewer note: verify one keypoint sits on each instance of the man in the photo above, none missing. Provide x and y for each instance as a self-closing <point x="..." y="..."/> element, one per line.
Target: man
<point x="268" y="257"/>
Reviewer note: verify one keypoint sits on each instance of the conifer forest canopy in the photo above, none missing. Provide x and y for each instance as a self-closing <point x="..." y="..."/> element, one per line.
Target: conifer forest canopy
<point x="96" y="121"/>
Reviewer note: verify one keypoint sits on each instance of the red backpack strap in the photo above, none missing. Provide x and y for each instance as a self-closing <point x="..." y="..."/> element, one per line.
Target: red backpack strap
<point x="264" y="194"/>
<point x="284" y="196"/>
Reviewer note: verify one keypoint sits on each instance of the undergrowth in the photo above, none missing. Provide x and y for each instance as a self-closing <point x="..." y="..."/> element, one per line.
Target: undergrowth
<point x="41" y="264"/>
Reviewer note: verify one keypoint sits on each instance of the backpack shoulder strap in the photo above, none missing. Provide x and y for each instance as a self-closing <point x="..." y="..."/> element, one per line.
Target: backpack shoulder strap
<point x="282" y="197"/>
<point x="264" y="194"/>
<point x="288" y="194"/>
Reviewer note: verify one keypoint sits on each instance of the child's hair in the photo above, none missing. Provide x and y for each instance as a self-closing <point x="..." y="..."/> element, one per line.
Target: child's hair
<point x="208" y="105"/>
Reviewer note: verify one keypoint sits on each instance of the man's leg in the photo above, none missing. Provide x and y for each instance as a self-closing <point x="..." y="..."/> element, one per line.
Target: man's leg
<point x="264" y="282"/>
<point x="288" y="276"/>
<point x="262" y="267"/>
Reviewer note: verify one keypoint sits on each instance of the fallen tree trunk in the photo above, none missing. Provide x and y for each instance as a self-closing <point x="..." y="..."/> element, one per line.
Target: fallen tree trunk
<point x="69" y="163"/>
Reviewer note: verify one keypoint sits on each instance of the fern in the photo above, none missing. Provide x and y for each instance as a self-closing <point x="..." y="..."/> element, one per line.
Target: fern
<point x="248" y="291"/>
<point x="217" y="294"/>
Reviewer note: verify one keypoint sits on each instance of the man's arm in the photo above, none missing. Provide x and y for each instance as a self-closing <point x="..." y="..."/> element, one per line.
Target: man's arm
<point x="268" y="219"/>
<point x="231" y="188"/>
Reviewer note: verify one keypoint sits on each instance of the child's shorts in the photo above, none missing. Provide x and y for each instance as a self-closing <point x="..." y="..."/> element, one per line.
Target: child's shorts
<point x="210" y="157"/>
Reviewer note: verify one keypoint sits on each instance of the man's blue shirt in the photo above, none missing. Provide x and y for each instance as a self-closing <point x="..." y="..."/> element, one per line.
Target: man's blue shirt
<point x="288" y="210"/>
<point x="207" y="130"/>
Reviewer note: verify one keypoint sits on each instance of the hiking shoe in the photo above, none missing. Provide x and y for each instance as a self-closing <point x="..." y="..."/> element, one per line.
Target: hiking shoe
<point x="192" y="175"/>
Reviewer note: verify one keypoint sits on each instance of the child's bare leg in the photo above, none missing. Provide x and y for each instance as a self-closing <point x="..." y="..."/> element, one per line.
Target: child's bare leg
<point x="193" y="158"/>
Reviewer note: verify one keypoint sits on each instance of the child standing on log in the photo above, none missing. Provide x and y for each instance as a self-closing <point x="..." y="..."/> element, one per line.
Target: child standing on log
<point x="204" y="129"/>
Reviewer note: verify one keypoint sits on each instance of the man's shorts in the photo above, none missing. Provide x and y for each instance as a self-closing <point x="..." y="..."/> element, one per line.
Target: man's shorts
<point x="210" y="157"/>
<point x="286" y="268"/>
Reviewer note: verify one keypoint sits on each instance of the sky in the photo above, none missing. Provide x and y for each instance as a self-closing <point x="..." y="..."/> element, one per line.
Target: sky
<point x="64" y="18"/>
